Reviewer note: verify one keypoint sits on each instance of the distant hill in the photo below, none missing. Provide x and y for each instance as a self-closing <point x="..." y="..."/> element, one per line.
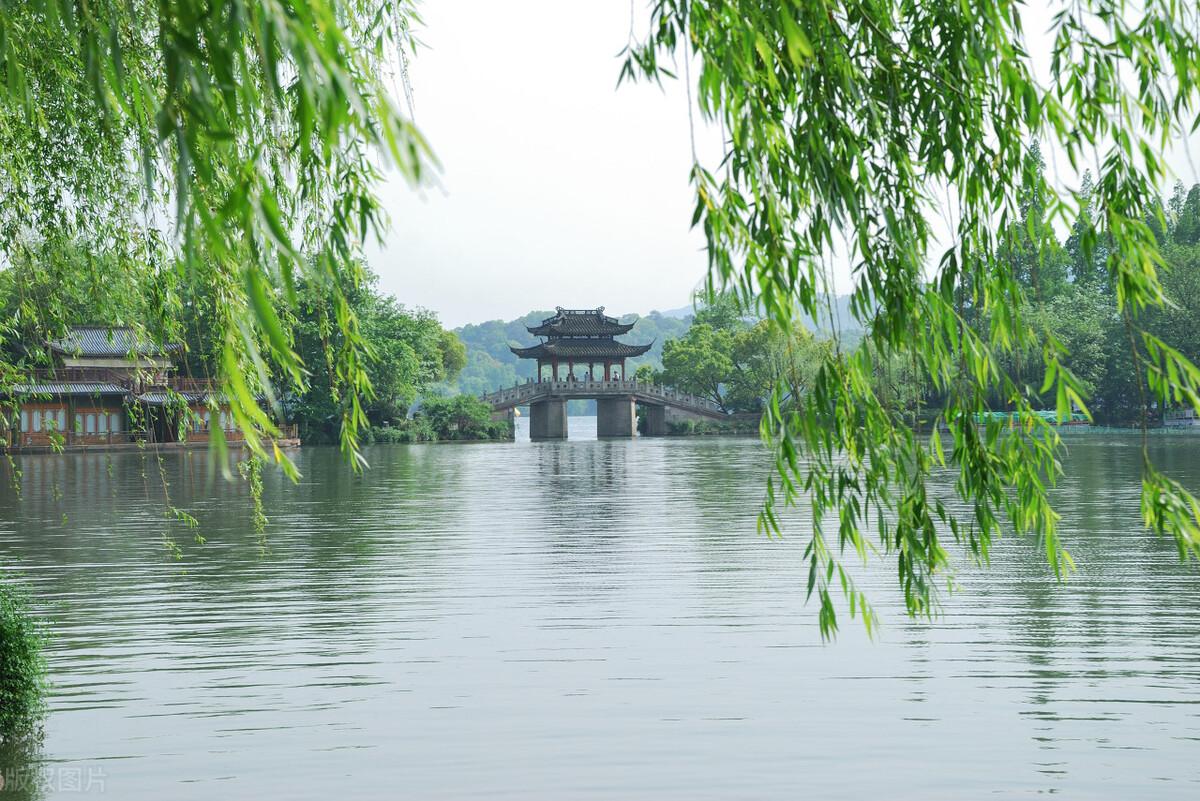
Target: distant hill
<point x="679" y="314"/>
<point x="842" y="319"/>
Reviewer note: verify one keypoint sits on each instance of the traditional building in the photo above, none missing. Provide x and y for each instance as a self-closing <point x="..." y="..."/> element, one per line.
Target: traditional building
<point x="110" y="388"/>
<point x="583" y="339"/>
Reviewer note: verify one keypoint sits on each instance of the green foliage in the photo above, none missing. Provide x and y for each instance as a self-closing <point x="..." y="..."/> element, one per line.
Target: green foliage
<point x="253" y="131"/>
<point x="1187" y="225"/>
<point x="416" y="429"/>
<point x="696" y="428"/>
<point x="406" y="352"/>
<point x="22" y="666"/>
<point x="56" y="282"/>
<point x="700" y="362"/>
<point x="737" y="363"/>
<point x="647" y="374"/>
<point x="251" y="472"/>
<point x="1076" y="310"/>
<point x="462" y="417"/>
<point x="844" y="120"/>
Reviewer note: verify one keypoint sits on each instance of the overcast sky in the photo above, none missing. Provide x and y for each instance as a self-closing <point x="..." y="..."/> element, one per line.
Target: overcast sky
<point x="557" y="188"/>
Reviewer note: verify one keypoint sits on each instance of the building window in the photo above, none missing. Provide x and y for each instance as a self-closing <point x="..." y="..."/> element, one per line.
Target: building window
<point x="115" y="422"/>
<point x="24" y="420"/>
<point x="37" y="419"/>
<point x="91" y="424"/>
<point x="102" y="424"/>
<point x="79" y="424"/>
<point x="207" y="420"/>
<point x="61" y="425"/>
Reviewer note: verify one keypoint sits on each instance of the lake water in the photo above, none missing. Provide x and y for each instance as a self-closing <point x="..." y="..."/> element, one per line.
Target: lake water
<point x="580" y="620"/>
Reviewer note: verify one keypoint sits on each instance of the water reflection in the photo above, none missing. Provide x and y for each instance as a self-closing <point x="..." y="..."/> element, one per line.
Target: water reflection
<point x="24" y="772"/>
<point x="583" y="619"/>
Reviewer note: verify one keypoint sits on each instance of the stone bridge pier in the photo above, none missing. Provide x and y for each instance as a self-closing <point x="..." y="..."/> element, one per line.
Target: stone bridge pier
<point x="656" y="420"/>
<point x="548" y="419"/>
<point x="616" y="417"/>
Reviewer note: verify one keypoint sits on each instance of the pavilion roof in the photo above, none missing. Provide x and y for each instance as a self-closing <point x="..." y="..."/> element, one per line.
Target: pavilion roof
<point x="581" y="349"/>
<point x="580" y="323"/>
<point x="100" y="341"/>
<point x="163" y="398"/>
<point x="70" y="388"/>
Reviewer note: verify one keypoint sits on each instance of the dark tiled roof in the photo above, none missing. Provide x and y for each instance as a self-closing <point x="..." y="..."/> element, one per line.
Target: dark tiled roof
<point x="73" y="388"/>
<point x="91" y="340"/>
<point x="161" y="398"/>
<point x="581" y="322"/>
<point x="581" y="349"/>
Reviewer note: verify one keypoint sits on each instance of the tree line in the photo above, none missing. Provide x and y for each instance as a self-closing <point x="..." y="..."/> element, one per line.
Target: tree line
<point x="409" y="359"/>
<point x="1070" y="297"/>
<point x="737" y="359"/>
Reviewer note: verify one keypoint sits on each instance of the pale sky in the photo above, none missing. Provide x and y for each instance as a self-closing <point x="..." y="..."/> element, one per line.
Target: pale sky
<point x="557" y="188"/>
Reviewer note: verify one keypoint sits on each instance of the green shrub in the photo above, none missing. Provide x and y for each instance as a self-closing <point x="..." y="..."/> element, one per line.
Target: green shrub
<point x="462" y="417"/>
<point x="458" y="417"/>
<point x="681" y="427"/>
<point x="415" y="430"/>
<point x="733" y="426"/>
<point x="22" y="666"/>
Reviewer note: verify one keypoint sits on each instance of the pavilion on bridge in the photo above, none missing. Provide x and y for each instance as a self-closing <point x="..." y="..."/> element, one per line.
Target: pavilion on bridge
<point x="580" y="338"/>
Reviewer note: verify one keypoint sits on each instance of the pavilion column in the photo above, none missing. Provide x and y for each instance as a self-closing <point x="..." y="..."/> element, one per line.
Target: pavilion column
<point x="554" y="369"/>
<point x="607" y="371"/>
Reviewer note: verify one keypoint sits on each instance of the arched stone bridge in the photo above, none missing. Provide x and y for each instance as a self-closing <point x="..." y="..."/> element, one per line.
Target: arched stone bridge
<point x="616" y="404"/>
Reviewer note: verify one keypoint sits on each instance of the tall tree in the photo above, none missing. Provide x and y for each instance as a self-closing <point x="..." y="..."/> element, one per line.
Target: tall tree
<point x="406" y="352"/>
<point x="700" y="362"/>
<point x="1187" y="226"/>
<point x="1030" y="244"/>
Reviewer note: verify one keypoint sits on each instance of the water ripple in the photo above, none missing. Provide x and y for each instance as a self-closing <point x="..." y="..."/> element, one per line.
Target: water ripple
<point x="583" y="620"/>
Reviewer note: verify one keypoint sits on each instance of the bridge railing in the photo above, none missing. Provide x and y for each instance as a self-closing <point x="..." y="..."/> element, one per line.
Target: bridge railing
<point x="530" y="389"/>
